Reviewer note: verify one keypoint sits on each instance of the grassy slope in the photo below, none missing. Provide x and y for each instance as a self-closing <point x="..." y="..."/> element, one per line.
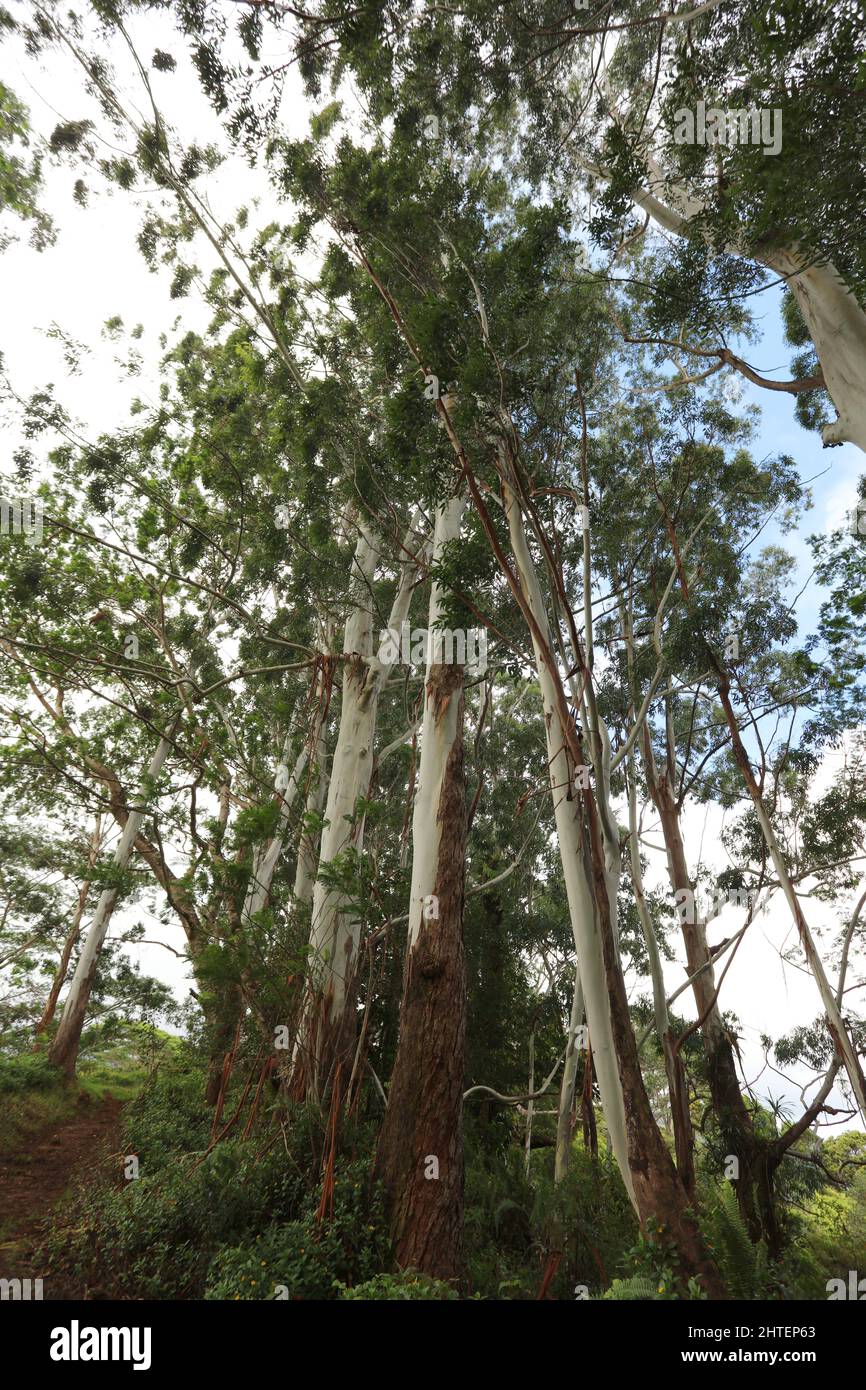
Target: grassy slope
<point x="33" y="1096"/>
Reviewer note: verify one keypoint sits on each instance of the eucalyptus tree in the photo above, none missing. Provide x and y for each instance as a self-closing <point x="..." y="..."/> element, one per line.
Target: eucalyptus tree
<point x="48" y="877"/>
<point x="732" y="221"/>
<point x="728" y="124"/>
<point x="688" y="458"/>
<point x="143" y="528"/>
<point x="492" y="316"/>
<point x="255" y="284"/>
<point x="736" y="704"/>
<point x="679" y="542"/>
<point x="322" y="1043"/>
<point x="74" y="932"/>
<point x="250" y="285"/>
<point x="447" y="379"/>
<point x="615" y="102"/>
<point x="729" y="616"/>
<point x="39" y="873"/>
<point x="20" y="170"/>
<point x="423" y="1124"/>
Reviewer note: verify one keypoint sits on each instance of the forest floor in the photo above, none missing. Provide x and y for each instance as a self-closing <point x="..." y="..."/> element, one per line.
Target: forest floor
<point x="36" y="1177"/>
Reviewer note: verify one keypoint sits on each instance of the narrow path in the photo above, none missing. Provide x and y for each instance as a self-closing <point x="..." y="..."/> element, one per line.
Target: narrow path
<point x="33" y="1180"/>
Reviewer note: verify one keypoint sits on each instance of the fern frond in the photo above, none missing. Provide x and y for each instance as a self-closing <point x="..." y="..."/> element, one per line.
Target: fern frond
<point x="633" y="1289"/>
<point x="743" y="1264"/>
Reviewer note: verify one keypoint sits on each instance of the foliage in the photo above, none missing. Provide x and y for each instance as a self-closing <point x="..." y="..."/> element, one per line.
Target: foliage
<point x="743" y="1263"/>
<point x="28" y="1072"/>
<point x="406" y="1286"/>
<point x="440" y="285"/>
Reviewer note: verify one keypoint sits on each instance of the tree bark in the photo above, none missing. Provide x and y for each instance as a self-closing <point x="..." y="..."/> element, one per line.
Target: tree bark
<point x="72" y="937"/>
<point x="327" y="1026"/>
<point x="420" y="1153"/>
<point x="837" y="327"/>
<point x="565" y="1113"/>
<point x="591" y="874"/>
<point x="63" y="1052"/>
<point x="308" y="845"/>
<point x="734" y="1121"/>
<point x="266" y="858"/>
<point x="678" y="1090"/>
<point x="835" y="319"/>
<point x="224" y="1022"/>
<point x="843" y="1044"/>
<point x="570" y="836"/>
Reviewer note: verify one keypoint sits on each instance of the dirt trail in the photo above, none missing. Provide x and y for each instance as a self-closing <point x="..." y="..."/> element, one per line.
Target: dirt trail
<point x="33" y="1181"/>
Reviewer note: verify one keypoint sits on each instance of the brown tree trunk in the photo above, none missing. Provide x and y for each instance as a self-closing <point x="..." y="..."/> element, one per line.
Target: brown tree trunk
<point x="420" y="1154"/>
<point x="587" y="1109"/>
<point x="681" y="1119"/>
<point x="734" y="1120"/>
<point x="659" y="1193"/>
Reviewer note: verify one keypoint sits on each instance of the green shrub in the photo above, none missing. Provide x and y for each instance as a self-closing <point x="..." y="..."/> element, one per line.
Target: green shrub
<point x="169" y="1117"/>
<point x="158" y="1235"/>
<point x="305" y="1259"/>
<point x="407" y="1284"/>
<point x="155" y="1236"/>
<point x="654" y="1270"/>
<point x="32" y="1099"/>
<point x="294" y="1261"/>
<point x="29" y="1072"/>
<point x="511" y="1220"/>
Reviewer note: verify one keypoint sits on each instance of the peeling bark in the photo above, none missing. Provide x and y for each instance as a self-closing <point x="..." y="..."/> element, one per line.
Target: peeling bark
<point x="420" y="1153"/>
<point x="585" y="831"/>
<point x="327" y="1025"/>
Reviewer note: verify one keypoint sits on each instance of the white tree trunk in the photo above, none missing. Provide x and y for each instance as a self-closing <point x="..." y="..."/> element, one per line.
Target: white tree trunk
<point x="569" y="1081"/>
<point x="265" y="860"/>
<point x="530" y="1107"/>
<point x="333" y="932"/>
<point x="837" y="326"/>
<point x="74" y="932"/>
<point x="64" y="1048"/>
<point x="308" y="857"/>
<point x="438" y="736"/>
<point x="580" y="900"/>
<point x="267" y="857"/>
<point x="835" y="319"/>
